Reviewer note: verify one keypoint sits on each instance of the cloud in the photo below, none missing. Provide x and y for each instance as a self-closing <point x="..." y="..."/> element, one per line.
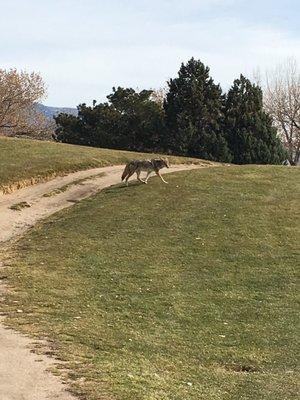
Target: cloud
<point x="82" y="49"/>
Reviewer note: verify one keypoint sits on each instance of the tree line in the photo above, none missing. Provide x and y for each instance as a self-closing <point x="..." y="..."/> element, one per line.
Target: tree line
<point x="195" y="119"/>
<point x="192" y="116"/>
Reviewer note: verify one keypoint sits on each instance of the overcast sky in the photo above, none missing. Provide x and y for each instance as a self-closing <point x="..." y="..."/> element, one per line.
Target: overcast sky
<point x="84" y="47"/>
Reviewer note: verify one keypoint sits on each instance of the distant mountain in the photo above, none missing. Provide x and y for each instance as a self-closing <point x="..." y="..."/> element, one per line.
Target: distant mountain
<point x="49" y="112"/>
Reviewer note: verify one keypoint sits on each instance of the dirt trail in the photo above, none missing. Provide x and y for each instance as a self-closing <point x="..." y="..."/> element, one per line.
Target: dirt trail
<point x="14" y="223"/>
<point x="21" y="376"/>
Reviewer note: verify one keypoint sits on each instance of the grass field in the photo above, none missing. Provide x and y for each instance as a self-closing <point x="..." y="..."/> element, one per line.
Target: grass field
<point x="170" y="292"/>
<point x="23" y="161"/>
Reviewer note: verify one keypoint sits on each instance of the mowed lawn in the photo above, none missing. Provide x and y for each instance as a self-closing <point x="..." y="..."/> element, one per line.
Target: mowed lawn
<point x="24" y="161"/>
<point x="170" y="292"/>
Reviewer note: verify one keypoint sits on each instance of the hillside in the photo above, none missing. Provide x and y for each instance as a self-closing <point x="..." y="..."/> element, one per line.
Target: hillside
<point x="24" y="162"/>
<point x="179" y="291"/>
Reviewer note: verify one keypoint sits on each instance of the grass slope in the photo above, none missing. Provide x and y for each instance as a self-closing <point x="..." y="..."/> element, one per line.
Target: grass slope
<point x="179" y="291"/>
<point x="23" y="161"/>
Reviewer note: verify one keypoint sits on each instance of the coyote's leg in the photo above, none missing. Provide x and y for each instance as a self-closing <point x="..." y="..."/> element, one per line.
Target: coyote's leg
<point x="138" y="173"/>
<point x="147" y="177"/>
<point x="159" y="174"/>
<point x="128" y="176"/>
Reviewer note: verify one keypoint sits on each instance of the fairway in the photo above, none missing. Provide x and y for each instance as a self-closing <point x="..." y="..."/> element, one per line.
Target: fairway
<point x="169" y="292"/>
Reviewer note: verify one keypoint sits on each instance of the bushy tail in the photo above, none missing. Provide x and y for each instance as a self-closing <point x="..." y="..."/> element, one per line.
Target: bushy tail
<point x="125" y="172"/>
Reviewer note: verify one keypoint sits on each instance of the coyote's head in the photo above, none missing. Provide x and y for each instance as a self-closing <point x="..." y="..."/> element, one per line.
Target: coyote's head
<point x="160" y="162"/>
<point x="166" y="162"/>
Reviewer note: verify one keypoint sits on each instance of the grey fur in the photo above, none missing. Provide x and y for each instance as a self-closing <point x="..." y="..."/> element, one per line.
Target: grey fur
<point x="137" y="166"/>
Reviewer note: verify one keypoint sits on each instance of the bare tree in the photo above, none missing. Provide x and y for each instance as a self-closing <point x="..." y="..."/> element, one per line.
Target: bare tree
<point x="159" y="95"/>
<point x="37" y="125"/>
<point x="282" y="101"/>
<point x="19" y="91"/>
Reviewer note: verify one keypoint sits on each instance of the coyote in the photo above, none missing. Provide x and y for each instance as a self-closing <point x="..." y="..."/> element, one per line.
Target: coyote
<point x="137" y="166"/>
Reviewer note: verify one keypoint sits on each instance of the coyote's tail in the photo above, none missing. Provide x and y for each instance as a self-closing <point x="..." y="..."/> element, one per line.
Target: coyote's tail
<point x="125" y="172"/>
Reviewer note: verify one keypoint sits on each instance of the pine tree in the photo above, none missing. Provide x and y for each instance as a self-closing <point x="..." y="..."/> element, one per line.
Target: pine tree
<point x="252" y="139"/>
<point x="194" y="116"/>
<point x="130" y="120"/>
<point x="141" y="119"/>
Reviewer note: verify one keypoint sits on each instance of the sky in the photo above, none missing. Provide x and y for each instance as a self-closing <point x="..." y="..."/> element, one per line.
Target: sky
<point x="82" y="48"/>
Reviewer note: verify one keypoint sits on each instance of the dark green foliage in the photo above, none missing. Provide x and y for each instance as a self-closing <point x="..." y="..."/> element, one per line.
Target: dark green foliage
<point x="69" y="129"/>
<point x="140" y="119"/>
<point x="194" y="114"/>
<point x="129" y="120"/>
<point x="196" y="120"/>
<point x="251" y="137"/>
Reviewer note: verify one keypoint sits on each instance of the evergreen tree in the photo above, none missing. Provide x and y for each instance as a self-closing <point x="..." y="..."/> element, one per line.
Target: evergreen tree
<point x="141" y="119"/>
<point x="129" y="120"/>
<point x="194" y="115"/>
<point x="251" y="137"/>
<point x="93" y="126"/>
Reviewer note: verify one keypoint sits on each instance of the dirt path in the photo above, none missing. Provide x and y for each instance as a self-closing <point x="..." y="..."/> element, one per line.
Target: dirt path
<point x="23" y="374"/>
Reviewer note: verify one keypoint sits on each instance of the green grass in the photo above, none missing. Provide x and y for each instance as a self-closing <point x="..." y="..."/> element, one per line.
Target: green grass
<point x="179" y="291"/>
<point x="23" y="161"/>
